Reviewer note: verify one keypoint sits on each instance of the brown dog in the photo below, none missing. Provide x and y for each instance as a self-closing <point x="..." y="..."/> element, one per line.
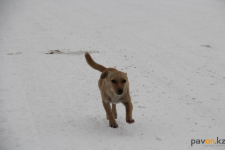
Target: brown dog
<point x="114" y="87"/>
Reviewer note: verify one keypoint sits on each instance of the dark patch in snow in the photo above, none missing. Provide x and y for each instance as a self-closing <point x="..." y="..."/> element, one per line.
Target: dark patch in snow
<point x="158" y="139"/>
<point x="206" y="46"/>
<point x="70" y="52"/>
<point x="55" y="52"/>
<point x="17" y="53"/>
<point x="141" y="107"/>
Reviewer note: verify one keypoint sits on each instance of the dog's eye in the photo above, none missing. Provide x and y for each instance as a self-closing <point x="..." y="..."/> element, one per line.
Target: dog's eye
<point x="113" y="81"/>
<point x="124" y="81"/>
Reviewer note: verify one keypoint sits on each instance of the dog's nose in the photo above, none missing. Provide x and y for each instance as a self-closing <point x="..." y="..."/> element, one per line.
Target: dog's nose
<point x="120" y="91"/>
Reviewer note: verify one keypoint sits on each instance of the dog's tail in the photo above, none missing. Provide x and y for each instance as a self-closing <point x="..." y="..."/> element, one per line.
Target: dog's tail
<point x="93" y="64"/>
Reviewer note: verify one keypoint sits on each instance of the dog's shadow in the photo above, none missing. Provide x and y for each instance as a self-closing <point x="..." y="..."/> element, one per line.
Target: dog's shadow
<point x="99" y="126"/>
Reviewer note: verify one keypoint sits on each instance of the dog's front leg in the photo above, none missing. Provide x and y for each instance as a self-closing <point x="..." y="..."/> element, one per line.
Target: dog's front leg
<point x="129" y="109"/>
<point x="112" y="121"/>
<point x="114" y="110"/>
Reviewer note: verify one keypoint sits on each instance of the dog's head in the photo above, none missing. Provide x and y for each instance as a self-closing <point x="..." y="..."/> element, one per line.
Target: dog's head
<point x="117" y="81"/>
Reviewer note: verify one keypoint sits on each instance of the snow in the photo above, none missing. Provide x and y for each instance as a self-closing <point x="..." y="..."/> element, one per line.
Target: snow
<point x="173" y="52"/>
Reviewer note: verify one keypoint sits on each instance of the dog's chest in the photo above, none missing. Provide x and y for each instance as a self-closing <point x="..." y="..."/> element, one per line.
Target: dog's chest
<point x="115" y="98"/>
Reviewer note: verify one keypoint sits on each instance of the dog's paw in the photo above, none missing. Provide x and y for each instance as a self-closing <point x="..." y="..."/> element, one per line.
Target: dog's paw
<point x="130" y="121"/>
<point x="113" y="125"/>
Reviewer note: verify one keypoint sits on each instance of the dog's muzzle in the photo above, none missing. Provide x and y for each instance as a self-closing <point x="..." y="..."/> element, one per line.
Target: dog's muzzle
<point x="120" y="91"/>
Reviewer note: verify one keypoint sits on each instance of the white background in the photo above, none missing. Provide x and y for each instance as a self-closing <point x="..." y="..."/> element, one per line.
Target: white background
<point x="173" y="52"/>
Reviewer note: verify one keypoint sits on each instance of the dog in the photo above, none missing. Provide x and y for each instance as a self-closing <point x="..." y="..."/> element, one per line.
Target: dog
<point x="114" y="88"/>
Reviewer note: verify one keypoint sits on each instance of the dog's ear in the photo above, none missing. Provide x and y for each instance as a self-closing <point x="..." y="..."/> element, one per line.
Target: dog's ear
<point x="104" y="74"/>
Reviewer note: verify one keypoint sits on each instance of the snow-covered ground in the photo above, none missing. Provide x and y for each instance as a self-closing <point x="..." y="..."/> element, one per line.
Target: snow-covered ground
<point x="173" y="52"/>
